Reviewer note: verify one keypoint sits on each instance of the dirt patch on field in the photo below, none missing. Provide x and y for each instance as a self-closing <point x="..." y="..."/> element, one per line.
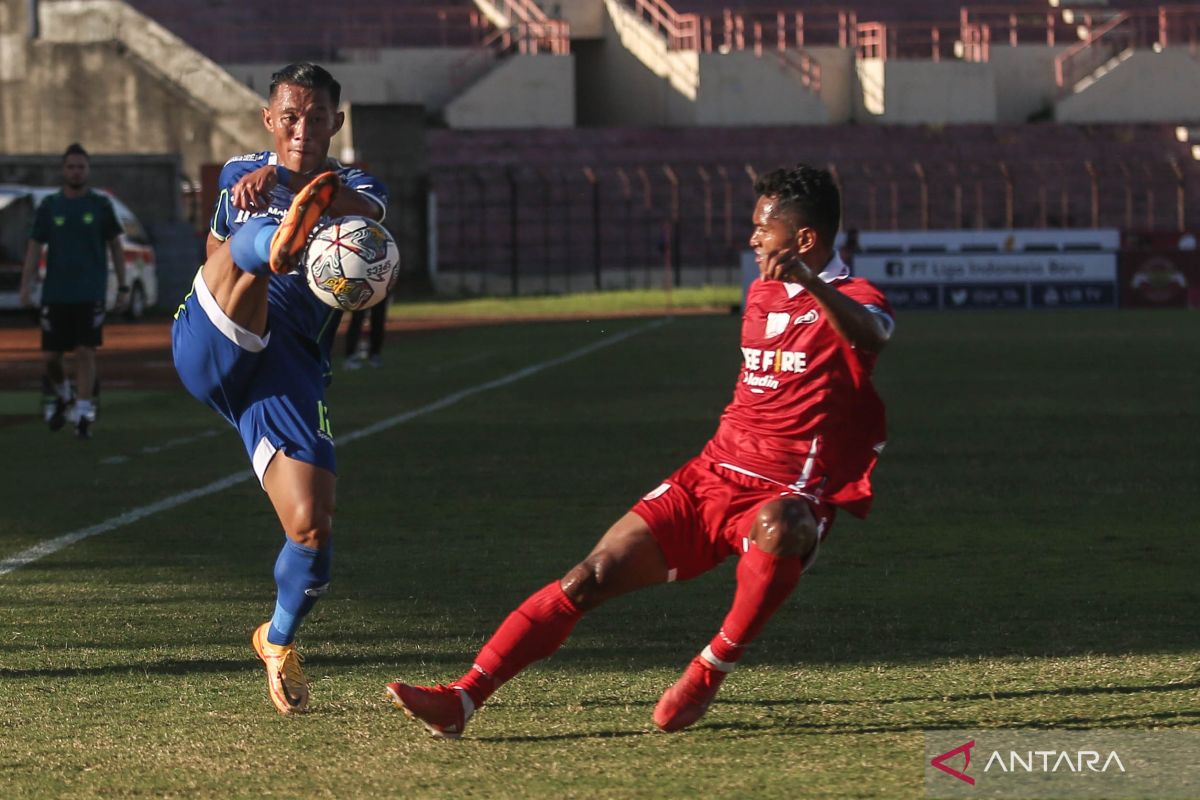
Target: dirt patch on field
<point x="138" y="355"/>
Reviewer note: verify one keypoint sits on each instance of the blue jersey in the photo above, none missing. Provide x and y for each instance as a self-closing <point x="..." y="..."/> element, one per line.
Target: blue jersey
<point x="227" y="219"/>
<point x="270" y="387"/>
<point x="291" y="304"/>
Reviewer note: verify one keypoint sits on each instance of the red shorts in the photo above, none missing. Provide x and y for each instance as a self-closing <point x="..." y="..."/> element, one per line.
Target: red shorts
<point x="702" y="514"/>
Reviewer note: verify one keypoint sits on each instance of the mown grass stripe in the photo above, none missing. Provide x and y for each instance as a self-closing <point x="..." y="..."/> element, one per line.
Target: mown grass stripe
<point x="51" y="546"/>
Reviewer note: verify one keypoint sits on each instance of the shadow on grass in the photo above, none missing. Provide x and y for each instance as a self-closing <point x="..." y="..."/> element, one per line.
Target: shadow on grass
<point x="1065" y="691"/>
<point x="204" y="665"/>
<point x="1158" y="719"/>
<point x="564" y="737"/>
<point x="1163" y="719"/>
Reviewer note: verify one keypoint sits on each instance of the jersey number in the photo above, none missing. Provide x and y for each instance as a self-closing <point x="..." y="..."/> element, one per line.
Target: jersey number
<point x="323" y="425"/>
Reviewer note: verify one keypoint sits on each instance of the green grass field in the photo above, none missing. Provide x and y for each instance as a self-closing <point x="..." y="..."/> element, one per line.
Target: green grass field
<point x="639" y="300"/>
<point x="1031" y="562"/>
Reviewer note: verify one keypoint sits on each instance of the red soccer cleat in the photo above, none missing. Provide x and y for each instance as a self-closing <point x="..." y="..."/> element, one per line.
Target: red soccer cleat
<point x="686" y="701"/>
<point x="439" y="708"/>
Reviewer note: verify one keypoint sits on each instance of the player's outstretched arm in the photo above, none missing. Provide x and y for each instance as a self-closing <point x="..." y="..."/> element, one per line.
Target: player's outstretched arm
<point x="854" y="321"/>
<point x="252" y="192"/>
<point x="355" y="204"/>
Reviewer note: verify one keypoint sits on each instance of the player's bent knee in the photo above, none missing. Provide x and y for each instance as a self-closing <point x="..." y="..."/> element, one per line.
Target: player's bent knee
<point x="584" y="583"/>
<point x="785" y="528"/>
<point x="309" y="524"/>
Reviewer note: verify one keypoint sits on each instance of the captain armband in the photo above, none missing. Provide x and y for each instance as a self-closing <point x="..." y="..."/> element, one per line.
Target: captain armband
<point x="886" y="323"/>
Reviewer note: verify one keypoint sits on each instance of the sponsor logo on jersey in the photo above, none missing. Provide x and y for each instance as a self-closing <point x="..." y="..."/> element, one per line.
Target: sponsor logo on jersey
<point x="244" y="215"/>
<point x="250" y="157"/>
<point x="805" y="319"/>
<point x="776" y="324"/>
<point x="763" y="366"/>
<point x="776" y="361"/>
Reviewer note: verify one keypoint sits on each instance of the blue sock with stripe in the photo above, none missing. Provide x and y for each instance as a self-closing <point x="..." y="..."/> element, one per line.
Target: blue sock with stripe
<point x="301" y="577"/>
<point x="250" y="245"/>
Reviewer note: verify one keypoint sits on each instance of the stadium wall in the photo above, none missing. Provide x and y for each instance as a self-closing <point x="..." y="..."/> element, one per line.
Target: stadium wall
<point x="914" y="92"/>
<point x="522" y="91"/>
<point x="103" y="75"/>
<point x="1147" y="86"/>
<point x="586" y="17"/>
<point x="1024" y="78"/>
<point x="635" y="79"/>
<point x="95" y="94"/>
<point x="391" y="75"/>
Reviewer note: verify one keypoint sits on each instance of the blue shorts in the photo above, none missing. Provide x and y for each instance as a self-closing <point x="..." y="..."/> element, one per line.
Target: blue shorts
<point x="270" y="388"/>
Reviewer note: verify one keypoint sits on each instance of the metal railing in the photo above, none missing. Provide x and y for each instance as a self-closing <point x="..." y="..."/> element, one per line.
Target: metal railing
<point x="782" y="33"/>
<point x="970" y="38"/>
<point x="533" y="31"/>
<point x="912" y="40"/>
<point x="1158" y="28"/>
<point x="539" y="228"/>
<point x="1084" y="57"/>
<point x="529" y="31"/>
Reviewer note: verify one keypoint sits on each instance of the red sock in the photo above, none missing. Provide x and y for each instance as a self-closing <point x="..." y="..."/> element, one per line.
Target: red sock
<point x="764" y="581"/>
<point x="534" y="631"/>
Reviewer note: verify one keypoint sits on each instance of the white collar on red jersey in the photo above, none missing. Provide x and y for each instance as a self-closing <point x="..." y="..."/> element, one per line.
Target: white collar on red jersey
<point x="835" y="270"/>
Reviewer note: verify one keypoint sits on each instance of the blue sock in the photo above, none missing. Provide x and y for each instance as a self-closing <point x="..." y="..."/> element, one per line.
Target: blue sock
<point x="302" y="576"/>
<point x="251" y="245"/>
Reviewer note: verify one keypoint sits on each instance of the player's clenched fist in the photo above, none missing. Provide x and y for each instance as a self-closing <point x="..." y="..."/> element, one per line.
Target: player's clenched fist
<point x="253" y="191"/>
<point x="784" y="265"/>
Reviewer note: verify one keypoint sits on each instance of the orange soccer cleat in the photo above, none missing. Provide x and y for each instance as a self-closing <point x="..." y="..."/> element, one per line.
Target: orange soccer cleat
<point x="308" y="206"/>
<point x="285" y="679"/>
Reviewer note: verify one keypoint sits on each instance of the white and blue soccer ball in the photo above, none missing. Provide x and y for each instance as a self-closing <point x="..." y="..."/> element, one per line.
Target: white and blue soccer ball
<point x="351" y="263"/>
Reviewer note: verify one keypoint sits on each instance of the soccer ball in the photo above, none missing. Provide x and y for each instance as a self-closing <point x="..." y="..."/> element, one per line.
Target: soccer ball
<point x="351" y="263"/>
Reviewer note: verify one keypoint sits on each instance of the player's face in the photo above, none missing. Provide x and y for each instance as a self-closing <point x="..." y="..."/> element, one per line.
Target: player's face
<point x="302" y="121"/>
<point x="75" y="171"/>
<point x="775" y="230"/>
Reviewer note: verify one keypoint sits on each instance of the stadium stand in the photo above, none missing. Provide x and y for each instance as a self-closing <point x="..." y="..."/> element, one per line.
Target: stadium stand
<point x="245" y="31"/>
<point x="920" y="108"/>
<point x="585" y="201"/>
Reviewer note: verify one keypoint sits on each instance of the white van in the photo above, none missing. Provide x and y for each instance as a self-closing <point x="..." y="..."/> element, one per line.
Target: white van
<point x="17" y="205"/>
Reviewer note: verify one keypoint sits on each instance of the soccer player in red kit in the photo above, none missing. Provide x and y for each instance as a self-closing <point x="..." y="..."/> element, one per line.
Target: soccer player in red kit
<point x="798" y="442"/>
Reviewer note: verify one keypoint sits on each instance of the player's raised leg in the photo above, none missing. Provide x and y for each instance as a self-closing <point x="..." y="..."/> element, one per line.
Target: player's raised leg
<point x="308" y="206"/>
<point x="237" y="275"/>
<point x="783" y="535"/>
<point x="626" y="558"/>
<point x="304" y="498"/>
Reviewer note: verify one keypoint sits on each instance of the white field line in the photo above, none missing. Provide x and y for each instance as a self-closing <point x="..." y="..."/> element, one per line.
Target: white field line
<point x="152" y="449"/>
<point x="50" y="546"/>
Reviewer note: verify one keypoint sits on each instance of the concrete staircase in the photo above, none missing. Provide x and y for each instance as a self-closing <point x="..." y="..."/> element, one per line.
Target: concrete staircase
<point x="200" y="81"/>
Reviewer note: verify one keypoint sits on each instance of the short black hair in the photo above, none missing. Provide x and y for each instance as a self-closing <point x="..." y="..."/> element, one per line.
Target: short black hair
<point x="809" y="191"/>
<point x="75" y="149"/>
<point x="310" y="76"/>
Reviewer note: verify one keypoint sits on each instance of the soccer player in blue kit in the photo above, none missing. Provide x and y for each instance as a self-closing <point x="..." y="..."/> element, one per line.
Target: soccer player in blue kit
<point x="252" y="342"/>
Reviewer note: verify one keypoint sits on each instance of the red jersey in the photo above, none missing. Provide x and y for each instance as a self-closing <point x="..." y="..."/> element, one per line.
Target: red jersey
<point x="804" y="412"/>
